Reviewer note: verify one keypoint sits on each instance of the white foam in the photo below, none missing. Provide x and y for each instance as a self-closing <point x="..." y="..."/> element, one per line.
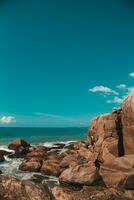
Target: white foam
<point x="53" y="144"/>
<point x="5" y="148"/>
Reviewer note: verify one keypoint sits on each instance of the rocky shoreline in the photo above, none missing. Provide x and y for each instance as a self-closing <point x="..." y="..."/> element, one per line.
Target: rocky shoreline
<point x="101" y="168"/>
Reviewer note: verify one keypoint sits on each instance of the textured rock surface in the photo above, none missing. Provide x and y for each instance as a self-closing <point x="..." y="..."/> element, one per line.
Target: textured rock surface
<point x="103" y="132"/>
<point x="51" y="168"/>
<point x="128" y="123"/>
<point x="119" y="173"/>
<point x="85" y="174"/>
<point x="31" y="165"/>
<point x="89" y="193"/>
<point x="13" y="189"/>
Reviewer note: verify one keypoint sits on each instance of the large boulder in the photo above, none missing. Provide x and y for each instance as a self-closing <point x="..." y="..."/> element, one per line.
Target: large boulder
<point x="13" y="189"/>
<point x="89" y="193"/>
<point x="128" y="123"/>
<point x="85" y="174"/>
<point x="103" y="136"/>
<point x="119" y="173"/>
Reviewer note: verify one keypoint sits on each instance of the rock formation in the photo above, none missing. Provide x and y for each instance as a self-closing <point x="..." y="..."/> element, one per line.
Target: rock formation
<point x="100" y="169"/>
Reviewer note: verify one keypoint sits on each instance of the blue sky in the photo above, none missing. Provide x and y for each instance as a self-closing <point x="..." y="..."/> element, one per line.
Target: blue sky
<point x="63" y="62"/>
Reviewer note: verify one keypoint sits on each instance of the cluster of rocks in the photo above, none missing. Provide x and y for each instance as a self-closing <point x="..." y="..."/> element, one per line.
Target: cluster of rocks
<point x="102" y="168"/>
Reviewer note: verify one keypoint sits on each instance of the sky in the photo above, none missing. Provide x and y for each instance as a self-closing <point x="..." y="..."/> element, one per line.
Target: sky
<point x="63" y="62"/>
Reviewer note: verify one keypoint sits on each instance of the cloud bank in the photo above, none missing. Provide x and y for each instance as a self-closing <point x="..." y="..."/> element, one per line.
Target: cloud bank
<point x="7" y="119"/>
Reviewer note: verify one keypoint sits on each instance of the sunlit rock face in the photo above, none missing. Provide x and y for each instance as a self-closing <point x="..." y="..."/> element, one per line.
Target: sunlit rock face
<point x="104" y="131"/>
<point x="128" y="123"/>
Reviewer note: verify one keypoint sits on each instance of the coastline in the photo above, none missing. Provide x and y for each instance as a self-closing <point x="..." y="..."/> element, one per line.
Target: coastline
<point x="99" y="168"/>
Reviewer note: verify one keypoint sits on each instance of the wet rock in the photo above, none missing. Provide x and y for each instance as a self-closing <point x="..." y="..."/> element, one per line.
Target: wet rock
<point x="13" y="189"/>
<point x="119" y="173"/>
<point x="20" y="148"/>
<point x="128" y="123"/>
<point x="2" y="153"/>
<point x="85" y="174"/>
<point x="31" y="165"/>
<point x="56" y="146"/>
<point x="89" y="193"/>
<point x="18" y="143"/>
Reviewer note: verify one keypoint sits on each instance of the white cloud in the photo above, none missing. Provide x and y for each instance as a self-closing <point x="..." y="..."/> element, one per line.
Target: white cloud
<point x="7" y="119"/>
<point x="116" y="100"/>
<point x="131" y="74"/>
<point x="122" y="86"/>
<point x="103" y="89"/>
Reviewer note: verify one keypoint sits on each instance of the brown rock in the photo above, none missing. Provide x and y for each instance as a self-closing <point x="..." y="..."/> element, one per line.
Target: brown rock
<point x="77" y="145"/>
<point x="85" y="174"/>
<point x="20" y="147"/>
<point x="32" y="165"/>
<point x="38" y="154"/>
<point x="13" y="189"/>
<point x="105" y="136"/>
<point x="18" y="143"/>
<point x="88" y="193"/>
<point x="128" y="123"/>
<point x="85" y="153"/>
<point x="51" y="168"/>
<point x="119" y="172"/>
<point x="71" y="158"/>
<point x="54" y="156"/>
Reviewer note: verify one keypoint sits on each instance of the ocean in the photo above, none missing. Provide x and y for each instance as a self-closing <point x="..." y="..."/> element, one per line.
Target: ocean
<point x="35" y="136"/>
<point x="42" y="135"/>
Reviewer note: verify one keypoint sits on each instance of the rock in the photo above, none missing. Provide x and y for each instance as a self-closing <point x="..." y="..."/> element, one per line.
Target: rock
<point x="85" y="174"/>
<point x="89" y="193"/>
<point x="18" y="143"/>
<point x="104" y="138"/>
<point x="119" y="173"/>
<point x="71" y="158"/>
<point x="38" y="154"/>
<point x="54" y="156"/>
<point x="85" y="153"/>
<point x="57" y="146"/>
<point x="128" y="123"/>
<point x="31" y="165"/>
<point x="77" y="145"/>
<point x="20" y="147"/>
<point x="51" y="168"/>
<point x="2" y="153"/>
<point x="13" y="189"/>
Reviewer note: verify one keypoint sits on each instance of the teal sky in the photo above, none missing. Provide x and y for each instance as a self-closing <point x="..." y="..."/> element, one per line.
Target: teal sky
<point x="53" y="54"/>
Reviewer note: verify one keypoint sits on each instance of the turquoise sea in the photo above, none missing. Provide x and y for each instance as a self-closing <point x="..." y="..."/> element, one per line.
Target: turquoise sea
<point x="42" y="135"/>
